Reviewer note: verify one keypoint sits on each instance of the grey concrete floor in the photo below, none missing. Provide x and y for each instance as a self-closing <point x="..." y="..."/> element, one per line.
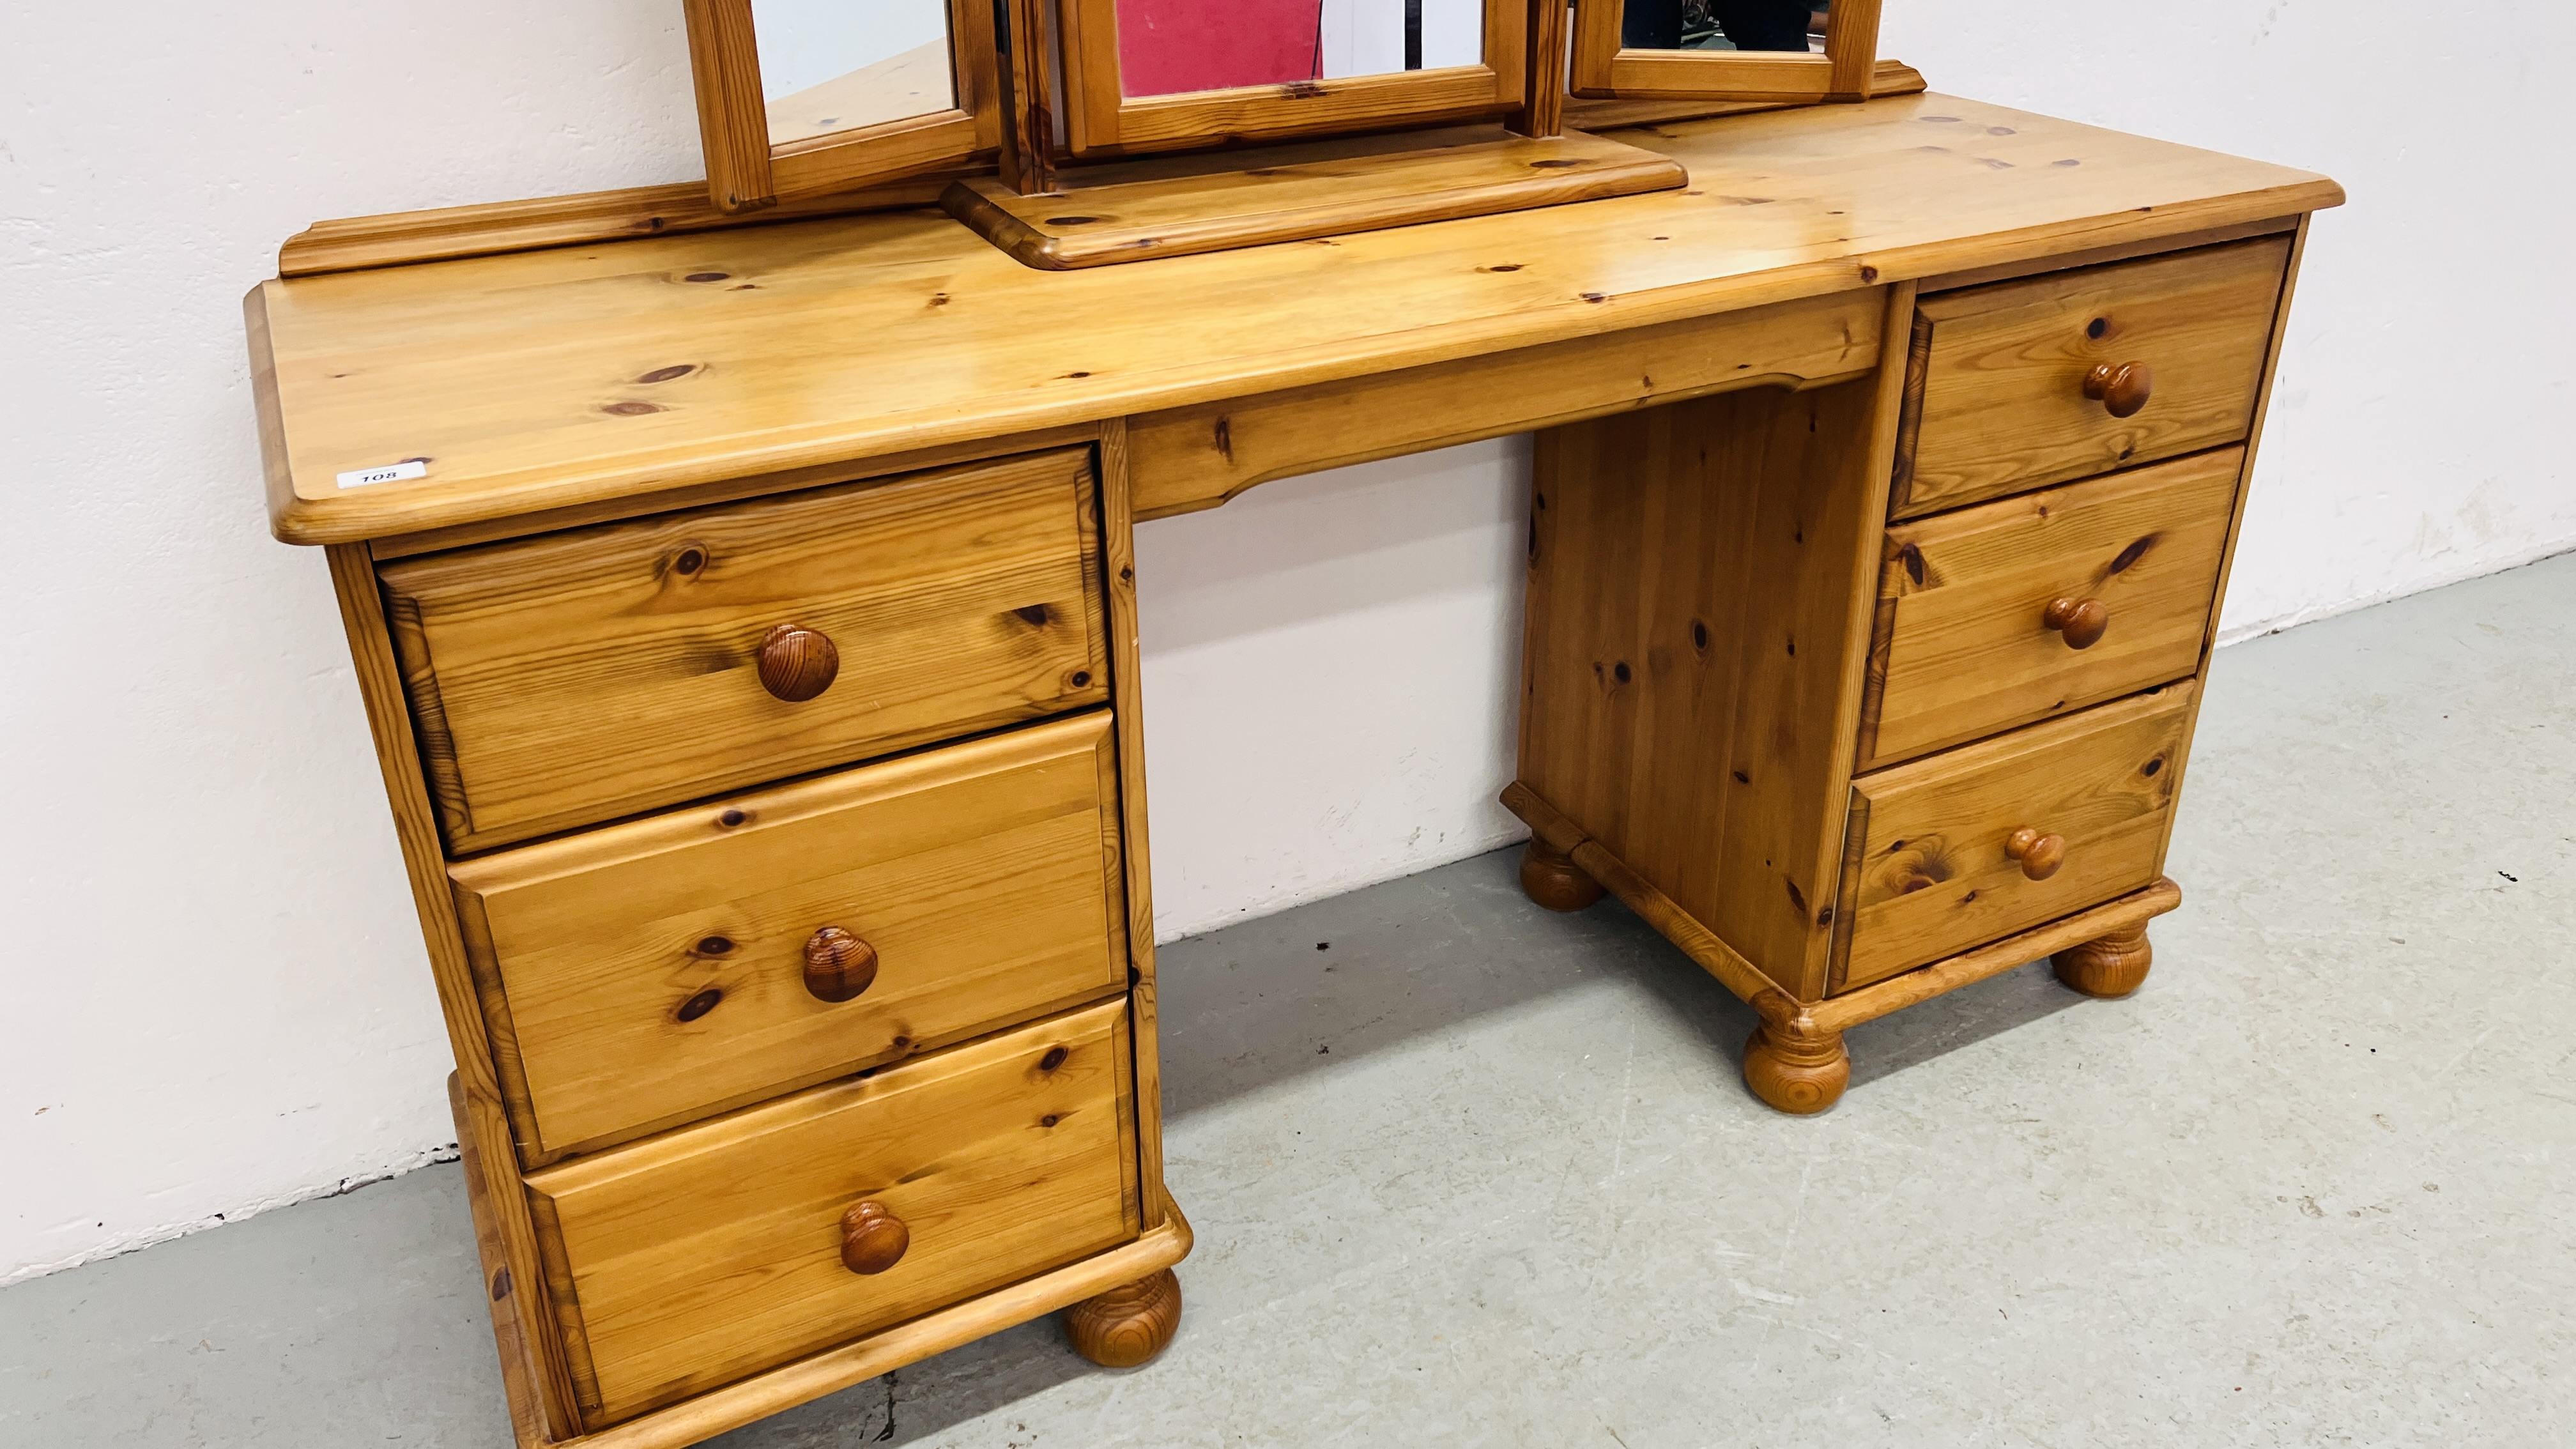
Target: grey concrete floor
<point x="1466" y="1173"/>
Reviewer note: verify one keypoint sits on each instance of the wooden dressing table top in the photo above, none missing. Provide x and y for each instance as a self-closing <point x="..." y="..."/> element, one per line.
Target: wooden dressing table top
<point x="584" y="375"/>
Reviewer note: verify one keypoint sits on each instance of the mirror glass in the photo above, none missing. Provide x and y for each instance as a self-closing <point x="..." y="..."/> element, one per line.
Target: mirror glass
<point x="1167" y="47"/>
<point x="836" y="65"/>
<point x="1773" y="25"/>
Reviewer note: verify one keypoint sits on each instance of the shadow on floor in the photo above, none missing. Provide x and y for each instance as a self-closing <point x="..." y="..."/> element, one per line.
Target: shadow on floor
<point x="1257" y="1005"/>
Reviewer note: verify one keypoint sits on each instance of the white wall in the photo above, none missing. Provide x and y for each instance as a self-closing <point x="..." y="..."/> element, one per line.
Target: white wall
<point x="215" y="995"/>
<point x="2412" y="438"/>
<point x="1330" y="664"/>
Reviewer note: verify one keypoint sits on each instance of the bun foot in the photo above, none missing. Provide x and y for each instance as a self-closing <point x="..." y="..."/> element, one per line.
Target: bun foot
<point x="1803" y="1075"/>
<point x="1552" y="880"/>
<point x="1128" y="1324"/>
<point x="2107" y="966"/>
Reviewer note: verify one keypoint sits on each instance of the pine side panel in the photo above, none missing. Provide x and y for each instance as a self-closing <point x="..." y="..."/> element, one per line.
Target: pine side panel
<point x="1700" y="598"/>
<point x="1127" y="696"/>
<point x="371" y="652"/>
<point x="733" y="125"/>
<point x="2244" y="492"/>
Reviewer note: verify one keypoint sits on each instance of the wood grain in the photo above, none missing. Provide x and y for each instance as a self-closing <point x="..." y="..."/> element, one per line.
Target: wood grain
<point x="810" y="1378"/>
<point x="1798" y="1074"/>
<point x="1869" y="1003"/>
<point x="757" y="485"/>
<point x="1552" y="828"/>
<point x="416" y="830"/>
<point x="1551" y="879"/>
<point x="2104" y="256"/>
<point x="654" y="972"/>
<point x="2108" y="967"/>
<point x="546" y="673"/>
<point x="1030" y="105"/>
<point x="839" y="967"/>
<point x="1136" y="211"/>
<point x="1586" y="113"/>
<point x="1698" y="616"/>
<point x="1127" y="1325"/>
<point x="2001" y="381"/>
<point x="1838" y="1013"/>
<point x="705" y="1255"/>
<point x="1935" y="877"/>
<point x="494" y="228"/>
<point x="2253" y="446"/>
<point x="1851" y="45"/>
<point x="1542" y="108"/>
<point x="1962" y="648"/>
<point x="1132" y="854"/>
<point x="521" y="1372"/>
<point x="873" y="1239"/>
<point x="733" y="126"/>
<point x="1198" y="457"/>
<point x="496" y="368"/>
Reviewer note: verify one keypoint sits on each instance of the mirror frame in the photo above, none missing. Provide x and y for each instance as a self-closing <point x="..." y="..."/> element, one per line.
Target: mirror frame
<point x="1101" y="119"/>
<point x="1602" y="69"/>
<point x="746" y="173"/>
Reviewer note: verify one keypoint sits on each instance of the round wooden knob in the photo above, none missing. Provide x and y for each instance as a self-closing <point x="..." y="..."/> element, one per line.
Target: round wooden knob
<point x="2040" y="855"/>
<point x="2080" y="621"/>
<point x="798" y="664"/>
<point x="838" y="965"/>
<point x="872" y="1237"/>
<point x="2122" y="388"/>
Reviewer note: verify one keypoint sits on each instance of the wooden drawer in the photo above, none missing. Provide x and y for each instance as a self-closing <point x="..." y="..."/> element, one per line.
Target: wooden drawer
<point x="652" y="972"/>
<point x="1963" y="646"/>
<point x="701" y="1256"/>
<point x="566" y="679"/>
<point x="1995" y="392"/>
<point x="1927" y="869"/>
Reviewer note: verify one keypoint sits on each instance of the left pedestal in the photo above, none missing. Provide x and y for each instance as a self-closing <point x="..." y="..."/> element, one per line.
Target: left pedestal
<point x="833" y="990"/>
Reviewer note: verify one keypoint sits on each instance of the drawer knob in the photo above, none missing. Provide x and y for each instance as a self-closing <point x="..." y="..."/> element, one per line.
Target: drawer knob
<point x="838" y="965"/>
<point x="2040" y="855"/>
<point x="2121" y="388"/>
<point x="2080" y="621"/>
<point x="872" y="1237"/>
<point x="798" y="664"/>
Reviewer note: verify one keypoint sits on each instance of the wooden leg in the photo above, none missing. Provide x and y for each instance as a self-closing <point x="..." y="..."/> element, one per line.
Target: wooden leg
<point x="2107" y="966"/>
<point x="1798" y="1074"/>
<point x="1128" y="1324"/>
<point x="1553" y="881"/>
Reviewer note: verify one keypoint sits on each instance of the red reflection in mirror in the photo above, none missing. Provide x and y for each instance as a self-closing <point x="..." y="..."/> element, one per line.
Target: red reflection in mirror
<point x="1166" y="47"/>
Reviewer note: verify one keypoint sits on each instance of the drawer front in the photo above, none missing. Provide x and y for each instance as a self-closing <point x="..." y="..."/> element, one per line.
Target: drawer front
<point x="656" y="971"/>
<point x="1929" y="870"/>
<point x="1965" y="645"/>
<point x="1995" y="393"/>
<point x="567" y="679"/>
<point x="699" y="1257"/>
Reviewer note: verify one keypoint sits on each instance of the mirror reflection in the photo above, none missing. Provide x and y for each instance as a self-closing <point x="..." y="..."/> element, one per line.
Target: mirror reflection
<point x="837" y="65"/>
<point x="1774" y="25"/>
<point x="1167" y="47"/>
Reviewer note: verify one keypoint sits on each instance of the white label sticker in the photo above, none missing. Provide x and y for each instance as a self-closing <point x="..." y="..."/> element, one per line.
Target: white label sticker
<point x="390" y="473"/>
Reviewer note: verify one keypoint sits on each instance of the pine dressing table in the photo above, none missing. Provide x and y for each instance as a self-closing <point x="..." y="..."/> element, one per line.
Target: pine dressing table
<point x="747" y="625"/>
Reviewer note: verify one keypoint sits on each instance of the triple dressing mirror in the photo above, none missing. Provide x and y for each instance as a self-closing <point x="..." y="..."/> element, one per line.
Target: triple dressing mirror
<point x="808" y="98"/>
